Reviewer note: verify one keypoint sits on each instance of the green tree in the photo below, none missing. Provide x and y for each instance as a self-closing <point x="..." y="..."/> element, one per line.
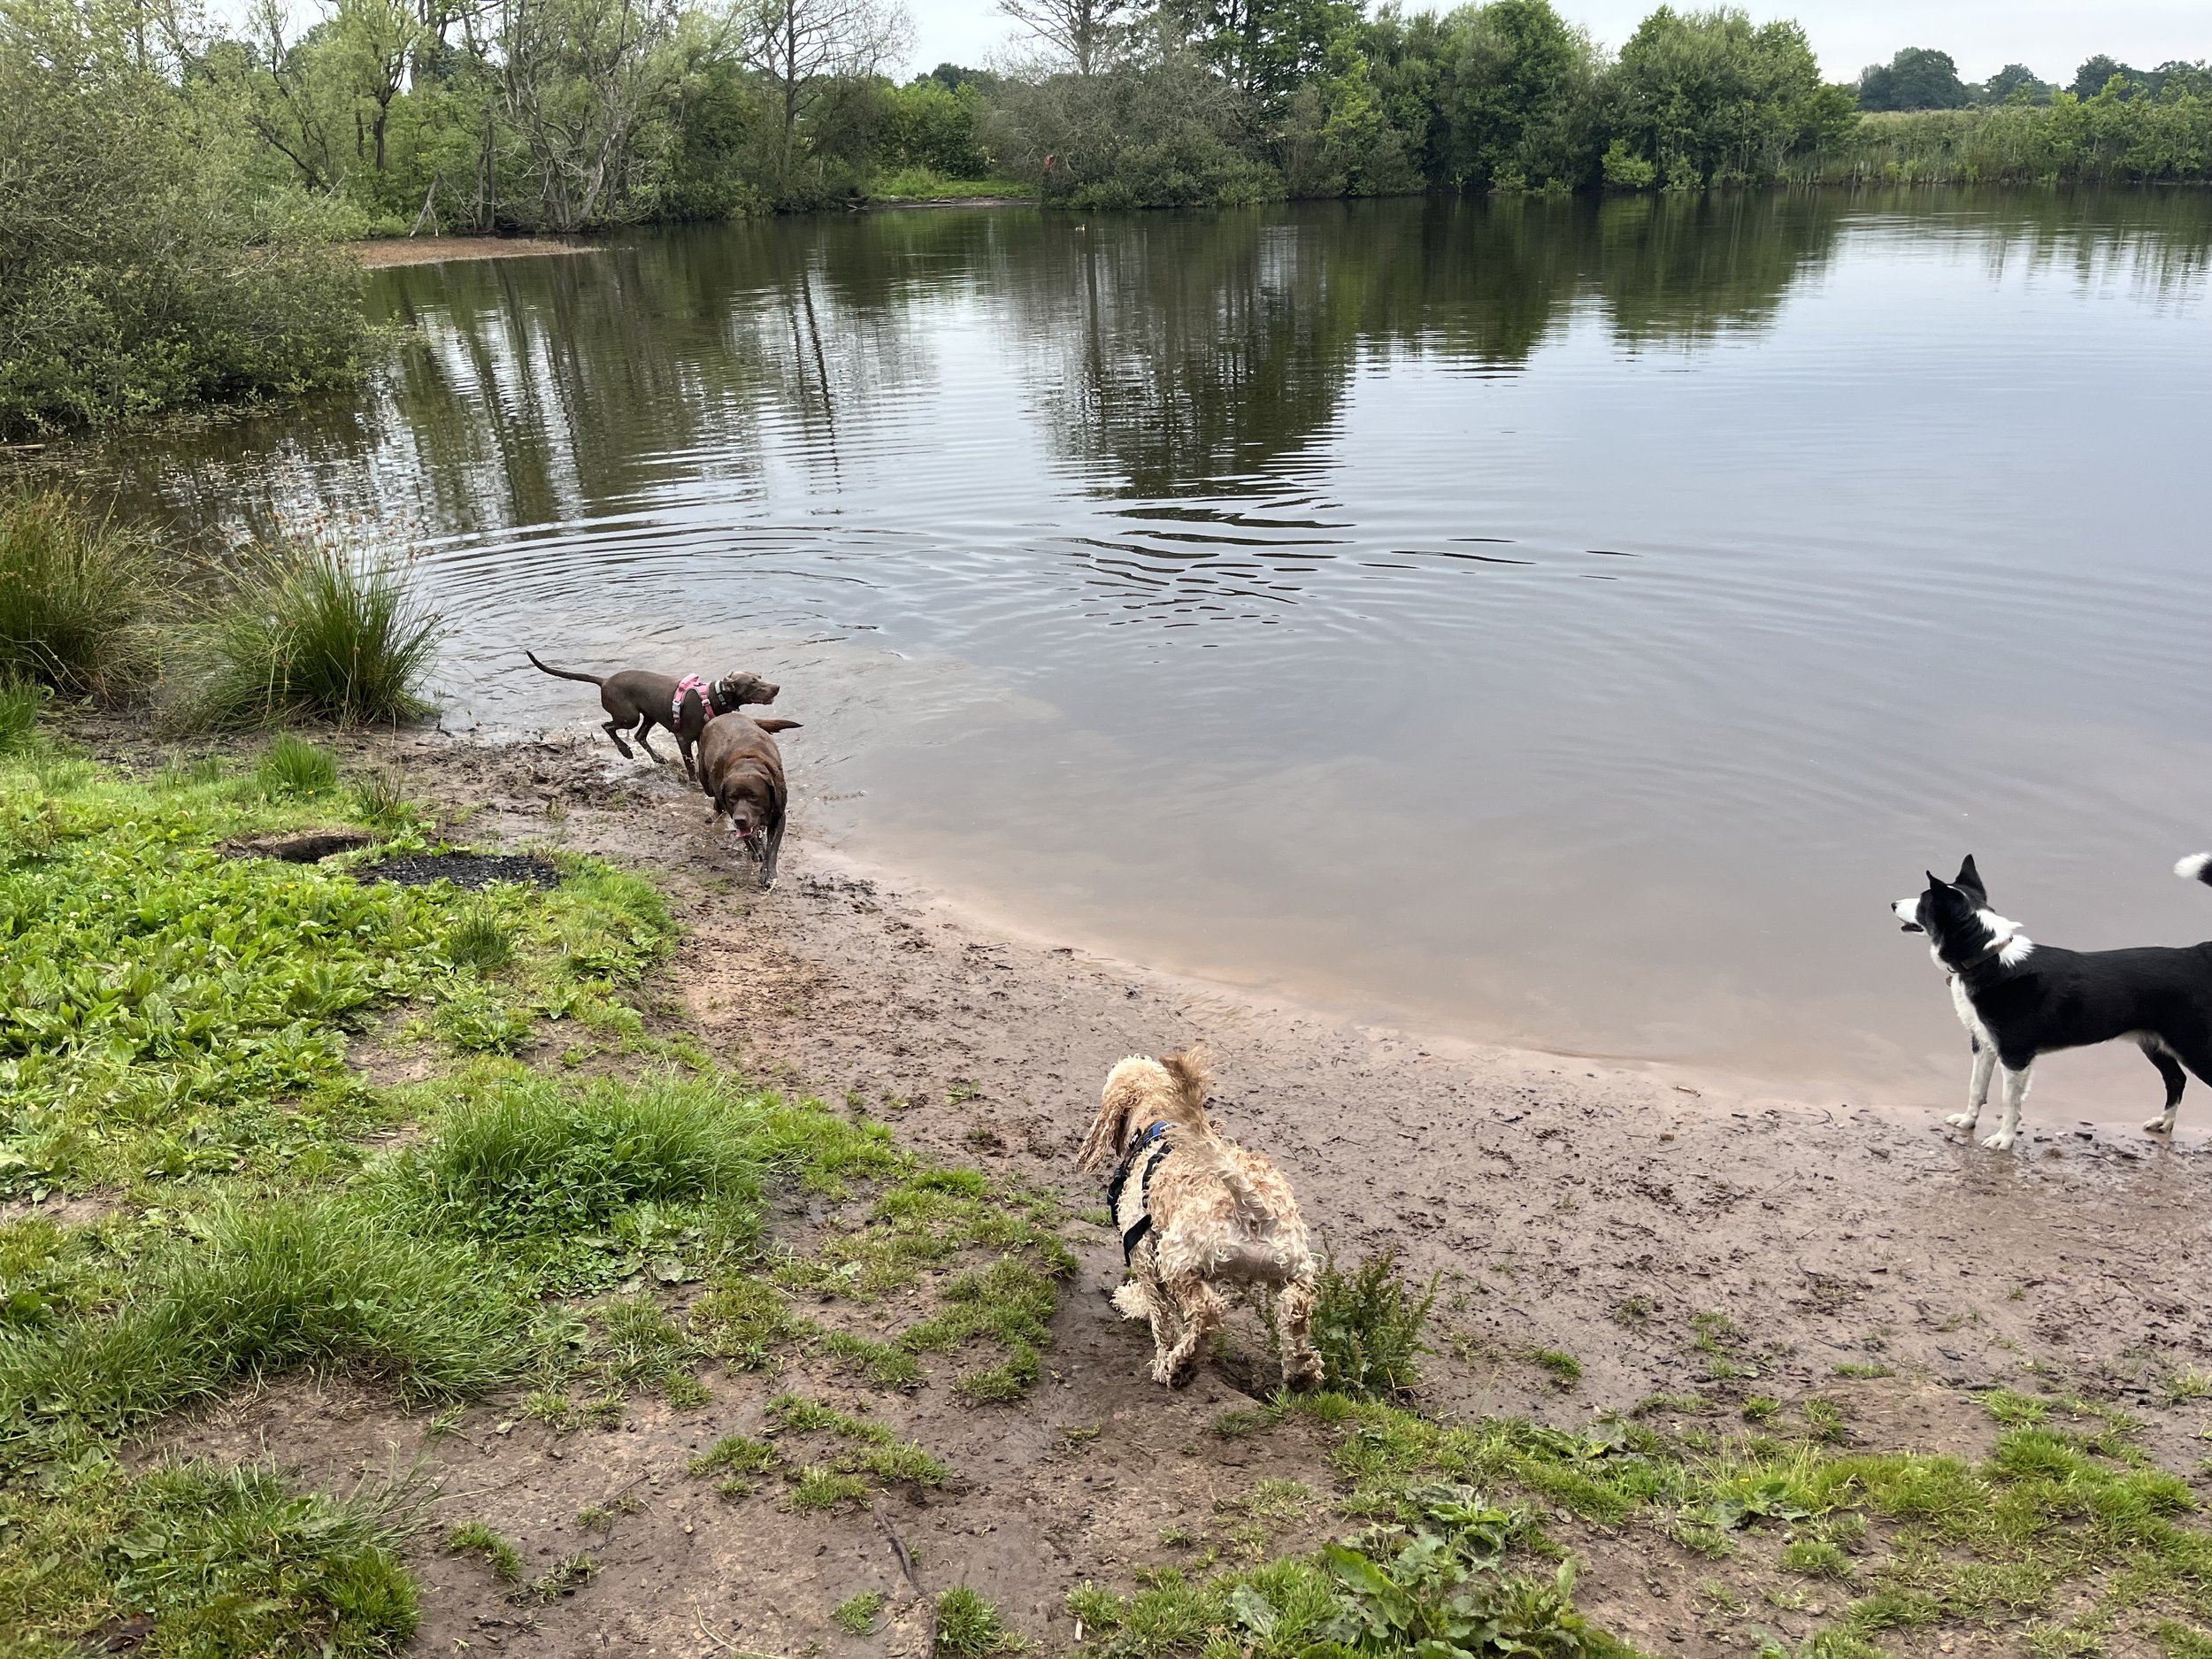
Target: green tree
<point x="1709" y="97"/>
<point x="1918" y="78"/>
<point x="2090" y="79"/>
<point x="2014" y="83"/>
<point x="1516" y="99"/>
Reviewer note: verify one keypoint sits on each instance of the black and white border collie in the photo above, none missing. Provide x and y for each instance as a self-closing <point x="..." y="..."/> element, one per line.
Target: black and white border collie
<point x="2019" y="999"/>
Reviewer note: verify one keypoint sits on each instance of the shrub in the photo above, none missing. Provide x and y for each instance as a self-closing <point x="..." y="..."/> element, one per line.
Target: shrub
<point x="140" y="268"/>
<point x="1368" y="1325"/>
<point x="75" y="593"/>
<point x="308" y="632"/>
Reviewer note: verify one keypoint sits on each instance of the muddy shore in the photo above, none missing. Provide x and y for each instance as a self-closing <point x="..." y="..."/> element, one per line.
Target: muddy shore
<point x="1566" y="1207"/>
<point x="398" y="251"/>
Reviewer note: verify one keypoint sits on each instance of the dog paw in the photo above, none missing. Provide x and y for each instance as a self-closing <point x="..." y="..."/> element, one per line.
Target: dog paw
<point x="1999" y="1142"/>
<point x="1959" y="1120"/>
<point x="2159" y="1126"/>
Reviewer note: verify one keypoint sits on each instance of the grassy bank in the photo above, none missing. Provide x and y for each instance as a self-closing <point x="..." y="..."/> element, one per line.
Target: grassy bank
<point x="2104" y="140"/>
<point x="176" y="1033"/>
<point x="574" y="1213"/>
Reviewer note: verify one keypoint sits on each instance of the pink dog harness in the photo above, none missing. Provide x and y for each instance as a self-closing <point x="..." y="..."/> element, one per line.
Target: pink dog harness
<point x="691" y="682"/>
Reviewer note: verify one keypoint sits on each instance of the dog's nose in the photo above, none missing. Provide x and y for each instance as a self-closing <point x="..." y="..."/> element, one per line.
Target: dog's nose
<point x="771" y="691"/>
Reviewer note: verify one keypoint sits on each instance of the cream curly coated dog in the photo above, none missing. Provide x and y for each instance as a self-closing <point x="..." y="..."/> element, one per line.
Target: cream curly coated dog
<point x="1197" y="1212"/>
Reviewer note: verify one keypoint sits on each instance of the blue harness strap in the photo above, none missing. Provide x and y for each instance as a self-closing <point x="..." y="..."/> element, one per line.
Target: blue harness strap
<point x="1150" y="1147"/>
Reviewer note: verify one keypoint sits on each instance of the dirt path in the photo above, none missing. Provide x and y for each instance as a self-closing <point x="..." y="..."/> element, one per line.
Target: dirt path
<point x="1574" y="1208"/>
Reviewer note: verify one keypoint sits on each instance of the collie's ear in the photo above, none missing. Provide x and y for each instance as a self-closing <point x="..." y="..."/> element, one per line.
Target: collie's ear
<point x="1970" y="877"/>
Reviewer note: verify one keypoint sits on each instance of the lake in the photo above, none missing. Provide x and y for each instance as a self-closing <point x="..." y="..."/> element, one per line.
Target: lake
<point x="1555" y="623"/>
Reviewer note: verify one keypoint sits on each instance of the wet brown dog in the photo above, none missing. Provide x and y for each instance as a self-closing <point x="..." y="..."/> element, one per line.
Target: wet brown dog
<point x="740" y="769"/>
<point x="1195" y="1212"/>
<point x="641" y="698"/>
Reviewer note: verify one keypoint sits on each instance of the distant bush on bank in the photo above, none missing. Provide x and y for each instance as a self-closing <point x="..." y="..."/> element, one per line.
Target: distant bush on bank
<point x="139" y="269"/>
<point x="2109" y="139"/>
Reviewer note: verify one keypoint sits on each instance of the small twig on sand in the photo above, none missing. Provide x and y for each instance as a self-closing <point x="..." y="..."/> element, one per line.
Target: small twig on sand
<point x="913" y="1577"/>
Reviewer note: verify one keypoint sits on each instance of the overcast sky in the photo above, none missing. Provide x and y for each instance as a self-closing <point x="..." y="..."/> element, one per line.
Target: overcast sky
<point x="2051" y="36"/>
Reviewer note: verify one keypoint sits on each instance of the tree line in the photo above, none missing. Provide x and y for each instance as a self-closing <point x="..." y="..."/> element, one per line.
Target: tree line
<point x="1920" y="78"/>
<point x="168" y="188"/>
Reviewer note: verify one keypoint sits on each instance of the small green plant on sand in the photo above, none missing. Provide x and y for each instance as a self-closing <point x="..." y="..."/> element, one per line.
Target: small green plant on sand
<point x="1565" y="1369"/>
<point x="475" y="1538"/>
<point x="296" y="770"/>
<point x="857" y="1614"/>
<point x="1368" y="1324"/>
<point x="969" y="1626"/>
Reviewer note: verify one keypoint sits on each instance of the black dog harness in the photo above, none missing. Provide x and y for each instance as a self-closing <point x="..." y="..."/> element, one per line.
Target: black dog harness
<point x="1147" y="1148"/>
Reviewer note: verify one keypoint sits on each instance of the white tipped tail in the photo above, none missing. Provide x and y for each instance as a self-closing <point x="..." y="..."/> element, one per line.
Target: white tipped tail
<point x="2195" y="867"/>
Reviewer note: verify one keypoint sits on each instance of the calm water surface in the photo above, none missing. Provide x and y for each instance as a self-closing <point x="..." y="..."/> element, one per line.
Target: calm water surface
<point x="1561" y="625"/>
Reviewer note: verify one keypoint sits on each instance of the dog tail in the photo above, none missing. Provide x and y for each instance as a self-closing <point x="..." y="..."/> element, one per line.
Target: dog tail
<point x="2196" y="867"/>
<point x="1193" y="1074"/>
<point x="562" y="674"/>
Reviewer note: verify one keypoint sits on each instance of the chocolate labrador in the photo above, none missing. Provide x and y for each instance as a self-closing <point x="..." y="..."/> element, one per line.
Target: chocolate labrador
<point x="641" y="698"/>
<point x="741" y="770"/>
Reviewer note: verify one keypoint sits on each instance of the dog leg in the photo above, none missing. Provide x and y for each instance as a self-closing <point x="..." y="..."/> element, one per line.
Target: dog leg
<point x="645" y="742"/>
<point x="1294" y="1310"/>
<point x="683" y="748"/>
<point x="2016" y="1091"/>
<point x="615" y="731"/>
<point x="768" y="866"/>
<point x="1977" y="1087"/>
<point x="2177" y="1080"/>
<point x="1202" y="1310"/>
<point x="1144" y="1297"/>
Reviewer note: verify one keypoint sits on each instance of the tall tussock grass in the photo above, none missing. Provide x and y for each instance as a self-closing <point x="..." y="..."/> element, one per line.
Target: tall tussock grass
<point x="306" y="630"/>
<point x="22" y="700"/>
<point x="268" y="1288"/>
<point x="77" y="596"/>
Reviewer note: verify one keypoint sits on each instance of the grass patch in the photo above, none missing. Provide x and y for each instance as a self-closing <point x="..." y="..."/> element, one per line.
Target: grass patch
<point x="263" y="1288"/>
<point x="167" y="1013"/>
<point x="308" y="631"/>
<point x="969" y="1626"/>
<point x="1368" y="1324"/>
<point x="924" y="184"/>
<point x="613" y="1183"/>
<point x="819" y="1489"/>
<point x="874" y="1451"/>
<point x="77" y="594"/>
<point x="1564" y="1369"/>
<point x="227" y="1561"/>
<point x="296" y="770"/>
<point x="474" y="1538"/>
<point x="856" y="1615"/>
